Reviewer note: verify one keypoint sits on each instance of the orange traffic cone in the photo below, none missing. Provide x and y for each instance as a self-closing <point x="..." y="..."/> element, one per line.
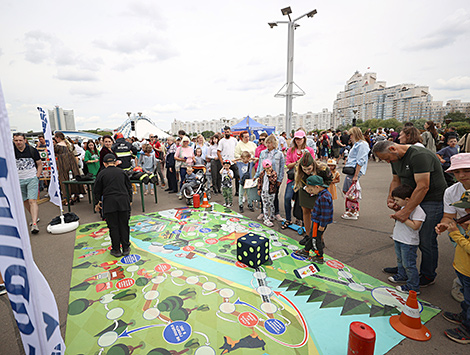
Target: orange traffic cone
<point x="408" y="323"/>
<point x="205" y="202"/>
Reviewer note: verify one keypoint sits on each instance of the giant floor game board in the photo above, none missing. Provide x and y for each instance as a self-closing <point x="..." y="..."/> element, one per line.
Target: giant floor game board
<point x="182" y="291"/>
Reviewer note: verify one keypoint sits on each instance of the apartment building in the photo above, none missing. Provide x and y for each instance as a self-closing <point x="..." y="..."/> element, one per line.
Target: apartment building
<point x="309" y="121"/>
<point x="365" y="98"/>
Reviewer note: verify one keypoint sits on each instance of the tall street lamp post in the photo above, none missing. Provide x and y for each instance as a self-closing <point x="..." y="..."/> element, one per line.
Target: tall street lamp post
<point x="289" y="85"/>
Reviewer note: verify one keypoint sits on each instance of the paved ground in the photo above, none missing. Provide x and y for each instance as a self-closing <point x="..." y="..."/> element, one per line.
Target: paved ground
<point x="364" y="244"/>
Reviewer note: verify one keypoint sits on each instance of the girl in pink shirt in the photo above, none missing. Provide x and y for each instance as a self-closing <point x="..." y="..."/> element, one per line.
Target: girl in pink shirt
<point x="294" y="153"/>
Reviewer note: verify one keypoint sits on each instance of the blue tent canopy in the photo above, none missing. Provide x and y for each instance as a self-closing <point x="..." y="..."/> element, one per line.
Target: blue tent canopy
<point x="253" y="127"/>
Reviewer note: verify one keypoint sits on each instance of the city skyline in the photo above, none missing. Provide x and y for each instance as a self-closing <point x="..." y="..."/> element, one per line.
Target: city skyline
<point x="212" y="60"/>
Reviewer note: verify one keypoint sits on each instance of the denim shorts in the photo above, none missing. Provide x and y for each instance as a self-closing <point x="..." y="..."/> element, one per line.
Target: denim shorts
<point x="29" y="188"/>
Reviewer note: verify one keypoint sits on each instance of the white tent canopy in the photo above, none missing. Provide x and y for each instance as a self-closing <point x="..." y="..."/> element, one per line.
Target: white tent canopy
<point x="144" y="128"/>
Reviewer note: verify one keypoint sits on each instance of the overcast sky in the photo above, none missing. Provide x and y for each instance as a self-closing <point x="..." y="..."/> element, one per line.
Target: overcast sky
<point x="196" y="60"/>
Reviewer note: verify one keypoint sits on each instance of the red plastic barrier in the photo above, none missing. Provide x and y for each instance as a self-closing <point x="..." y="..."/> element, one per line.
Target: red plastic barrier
<point x="196" y="201"/>
<point x="361" y="339"/>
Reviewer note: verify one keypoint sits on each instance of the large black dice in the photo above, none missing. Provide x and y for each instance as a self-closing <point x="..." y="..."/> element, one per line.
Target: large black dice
<point x="253" y="250"/>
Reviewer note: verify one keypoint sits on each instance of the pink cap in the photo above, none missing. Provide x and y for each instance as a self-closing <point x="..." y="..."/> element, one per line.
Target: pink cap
<point x="459" y="161"/>
<point x="299" y="134"/>
<point x="266" y="163"/>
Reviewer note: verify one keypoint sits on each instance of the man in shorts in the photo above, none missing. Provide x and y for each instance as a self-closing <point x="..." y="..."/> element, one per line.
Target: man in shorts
<point x="29" y="165"/>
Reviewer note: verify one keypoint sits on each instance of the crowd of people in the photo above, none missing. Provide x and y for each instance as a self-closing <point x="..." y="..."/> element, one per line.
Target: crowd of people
<point x="430" y="179"/>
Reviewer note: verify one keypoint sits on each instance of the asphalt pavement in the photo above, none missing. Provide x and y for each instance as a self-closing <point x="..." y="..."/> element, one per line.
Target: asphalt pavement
<point x="364" y="244"/>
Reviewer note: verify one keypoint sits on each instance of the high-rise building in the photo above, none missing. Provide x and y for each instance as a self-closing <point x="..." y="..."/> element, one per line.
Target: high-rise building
<point x="61" y="120"/>
<point x="366" y="98"/>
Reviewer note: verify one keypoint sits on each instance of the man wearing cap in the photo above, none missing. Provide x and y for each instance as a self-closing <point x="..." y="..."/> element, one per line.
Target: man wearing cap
<point x="114" y="186"/>
<point x="226" y="151"/>
<point x="419" y="168"/>
<point x="460" y="168"/>
<point x="124" y="151"/>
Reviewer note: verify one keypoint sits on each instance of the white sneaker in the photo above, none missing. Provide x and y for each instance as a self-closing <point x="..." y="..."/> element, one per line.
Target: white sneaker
<point x="229" y="205"/>
<point x="279" y="218"/>
<point x="268" y="223"/>
<point x="224" y="204"/>
<point x="260" y="217"/>
<point x="37" y="221"/>
<point x="349" y="215"/>
<point x="81" y="196"/>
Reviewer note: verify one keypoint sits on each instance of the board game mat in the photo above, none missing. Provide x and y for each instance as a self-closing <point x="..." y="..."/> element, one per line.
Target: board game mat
<point x="182" y="291"/>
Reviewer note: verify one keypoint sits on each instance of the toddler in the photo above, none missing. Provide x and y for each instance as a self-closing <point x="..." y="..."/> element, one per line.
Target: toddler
<point x="336" y="178"/>
<point x="267" y="187"/>
<point x="406" y="237"/>
<point x="461" y="264"/>
<point x="227" y="177"/>
<point x="190" y="181"/>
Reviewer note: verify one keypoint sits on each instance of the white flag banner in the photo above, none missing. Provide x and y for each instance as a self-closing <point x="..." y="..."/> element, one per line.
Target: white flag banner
<point x="54" y="187"/>
<point x="31" y="298"/>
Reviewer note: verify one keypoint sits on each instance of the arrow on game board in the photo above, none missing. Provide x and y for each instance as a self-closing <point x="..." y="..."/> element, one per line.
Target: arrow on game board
<point x="125" y="334"/>
<point x="304" y="325"/>
<point x="246" y="304"/>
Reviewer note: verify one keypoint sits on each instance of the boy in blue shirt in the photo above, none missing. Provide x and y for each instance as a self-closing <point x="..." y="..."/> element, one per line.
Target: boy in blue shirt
<point x="322" y="215"/>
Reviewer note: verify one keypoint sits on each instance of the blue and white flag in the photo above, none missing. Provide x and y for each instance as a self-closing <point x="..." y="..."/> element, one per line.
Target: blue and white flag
<point x="31" y="298"/>
<point x="54" y="187"/>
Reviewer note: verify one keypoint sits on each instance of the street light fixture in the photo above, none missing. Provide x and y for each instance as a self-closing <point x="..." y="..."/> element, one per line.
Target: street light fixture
<point x="289" y="92"/>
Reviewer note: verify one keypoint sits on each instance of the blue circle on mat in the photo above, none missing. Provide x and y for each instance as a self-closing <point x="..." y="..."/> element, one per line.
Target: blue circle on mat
<point x="130" y="259"/>
<point x="275" y="326"/>
<point x="297" y="257"/>
<point x="176" y="232"/>
<point x="205" y="230"/>
<point x="177" y="332"/>
<point x="254" y="225"/>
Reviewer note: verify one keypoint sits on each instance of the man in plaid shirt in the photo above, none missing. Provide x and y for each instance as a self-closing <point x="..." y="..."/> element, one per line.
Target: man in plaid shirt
<point x="322" y="215"/>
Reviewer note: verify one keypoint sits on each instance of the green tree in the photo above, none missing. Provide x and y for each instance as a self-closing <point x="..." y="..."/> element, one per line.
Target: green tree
<point x="207" y="134"/>
<point x="456" y="116"/>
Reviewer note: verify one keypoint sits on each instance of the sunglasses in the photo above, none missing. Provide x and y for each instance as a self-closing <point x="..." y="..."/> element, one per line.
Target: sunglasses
<point x="261" y="139"/>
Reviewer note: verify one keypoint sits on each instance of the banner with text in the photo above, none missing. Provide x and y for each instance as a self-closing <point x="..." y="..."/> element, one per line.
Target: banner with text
<point x="31" y="298"/>
<point x="54" y="187"/>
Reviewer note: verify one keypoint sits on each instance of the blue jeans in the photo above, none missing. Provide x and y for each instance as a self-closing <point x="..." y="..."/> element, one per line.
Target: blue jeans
<point x="465" y="281"/>
<point x="428" y="238"/>
<point x="288" y="200"/>
<point x="182" y="177"/>
<point x="406" y="261"/>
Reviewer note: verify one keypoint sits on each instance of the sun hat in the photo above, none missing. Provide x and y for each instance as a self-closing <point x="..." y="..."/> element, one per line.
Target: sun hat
<point x="267" y="163"/>
<point x="315" y="180"/>
<point x="299" y="134"/>
<point x="331" y="162"/>
<point x="464" y="201"/>
<point x="459" y="161"/>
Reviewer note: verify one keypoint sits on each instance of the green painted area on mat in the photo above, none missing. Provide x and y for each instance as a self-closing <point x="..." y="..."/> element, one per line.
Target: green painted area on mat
<point x="187" y="273"/>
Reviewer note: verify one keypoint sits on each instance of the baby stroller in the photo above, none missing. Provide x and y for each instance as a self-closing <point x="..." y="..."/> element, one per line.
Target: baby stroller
<point x="201" y="185"/>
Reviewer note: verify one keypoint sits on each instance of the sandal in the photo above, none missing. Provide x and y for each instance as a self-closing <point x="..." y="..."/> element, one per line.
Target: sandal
<point x="286" y="224"/>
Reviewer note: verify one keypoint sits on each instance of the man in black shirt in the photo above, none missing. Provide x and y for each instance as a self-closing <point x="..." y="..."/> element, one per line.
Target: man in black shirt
<point x="114" y="185"/>
<point x="337" y="145"/>
<point x="419" y="168"/>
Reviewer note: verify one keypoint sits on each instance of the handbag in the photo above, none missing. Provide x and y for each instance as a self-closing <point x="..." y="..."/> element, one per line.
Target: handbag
<point x="291" y="174"/>
<point x="349" y="170"/>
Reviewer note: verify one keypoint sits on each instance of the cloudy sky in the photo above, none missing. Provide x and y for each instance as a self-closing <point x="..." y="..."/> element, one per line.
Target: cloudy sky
<point x="196" y="60"/>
